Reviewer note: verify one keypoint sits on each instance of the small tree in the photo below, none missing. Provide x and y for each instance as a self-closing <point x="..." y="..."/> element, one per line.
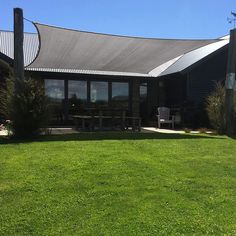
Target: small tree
<point x="215" y="106"/>
<point x="26" y="109"/>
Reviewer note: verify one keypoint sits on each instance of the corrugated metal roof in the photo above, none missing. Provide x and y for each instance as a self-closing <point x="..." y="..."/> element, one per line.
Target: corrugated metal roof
<point x="31" y="44"/>
<point x="193" y="57"/>
<point x="91" y="72"/>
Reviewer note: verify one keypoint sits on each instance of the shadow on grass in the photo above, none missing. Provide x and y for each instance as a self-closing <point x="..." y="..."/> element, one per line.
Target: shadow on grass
<point x="95" y="136"/>
<point x="233" y="136"/>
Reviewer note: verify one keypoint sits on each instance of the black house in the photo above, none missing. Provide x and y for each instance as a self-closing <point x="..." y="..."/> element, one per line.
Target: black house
<point x="84" y="69"/>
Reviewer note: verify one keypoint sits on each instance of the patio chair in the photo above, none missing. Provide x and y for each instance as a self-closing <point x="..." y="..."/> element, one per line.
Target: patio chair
<point x="164" y="117"/>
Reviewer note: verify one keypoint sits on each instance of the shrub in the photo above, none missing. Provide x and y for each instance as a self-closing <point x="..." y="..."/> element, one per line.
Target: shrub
<point x="215" y="106"/>
<point x="26" y="109"/>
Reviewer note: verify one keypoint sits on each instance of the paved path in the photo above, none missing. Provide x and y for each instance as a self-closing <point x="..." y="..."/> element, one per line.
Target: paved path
<point x="143" y="130"/>
<point x="165" y="131"/>
<point x="3" y="132"/>
<point x="60" y="130"/>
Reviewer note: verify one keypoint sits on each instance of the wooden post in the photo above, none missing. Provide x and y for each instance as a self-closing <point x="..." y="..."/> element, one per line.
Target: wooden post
<point x="230" y="84"/>
<point x="18" y="48"/>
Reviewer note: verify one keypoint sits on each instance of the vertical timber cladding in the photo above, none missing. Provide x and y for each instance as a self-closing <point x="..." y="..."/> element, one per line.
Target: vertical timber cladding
<point x="202" y="77"/>
<point x="175" y="87"/>
<point x="230" y="84"/>
<point x="152" y="98"/>
<point x="1" y="75"/>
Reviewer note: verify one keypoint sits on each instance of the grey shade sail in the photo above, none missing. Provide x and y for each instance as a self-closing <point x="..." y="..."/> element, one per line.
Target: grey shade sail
<point x="65" y="49"/>
<point x="174" y="65"/>
<point x="31" y="48"/>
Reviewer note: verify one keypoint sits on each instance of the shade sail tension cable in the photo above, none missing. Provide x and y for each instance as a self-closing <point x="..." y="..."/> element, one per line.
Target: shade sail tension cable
<point x="28" y="20"/>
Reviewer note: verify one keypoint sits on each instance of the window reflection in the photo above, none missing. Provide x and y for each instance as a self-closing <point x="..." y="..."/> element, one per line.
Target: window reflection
<point x="54" y="89"/>
<point x="120" y="94"/>
<point x="143" y="91"/>
<point x="99" y="92"/>
<point x="77" y="90"/>
<point x="77" y="95"/>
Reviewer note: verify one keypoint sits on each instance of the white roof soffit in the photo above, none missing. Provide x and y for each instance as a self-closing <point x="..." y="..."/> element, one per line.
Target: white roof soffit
<point x="160" y="69"/>
<point x="225" y="37"/>
<point x="70" y="50"/>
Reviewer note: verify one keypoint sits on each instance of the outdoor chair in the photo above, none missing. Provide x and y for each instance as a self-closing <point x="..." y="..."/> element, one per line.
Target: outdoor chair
<point x="164" y="117"/>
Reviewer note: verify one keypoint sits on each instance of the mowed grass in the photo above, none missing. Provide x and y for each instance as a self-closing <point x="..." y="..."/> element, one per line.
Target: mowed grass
<point x="118" y="184"/>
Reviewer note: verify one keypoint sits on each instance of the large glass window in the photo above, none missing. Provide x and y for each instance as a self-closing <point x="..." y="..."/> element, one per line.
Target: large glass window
<point x="143" y="101"/>
<point x="77" y="90"/>
<point x="77" y="95"/>
<point x="143" y="91"/>
<point x="54" y="89"/>
<point x="99" y="92"/>
<point x="120" y="94"/>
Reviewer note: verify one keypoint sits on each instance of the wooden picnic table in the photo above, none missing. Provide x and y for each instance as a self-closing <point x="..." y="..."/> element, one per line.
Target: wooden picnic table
<point x="83" y="119"/>
<point x="121" y="120"/>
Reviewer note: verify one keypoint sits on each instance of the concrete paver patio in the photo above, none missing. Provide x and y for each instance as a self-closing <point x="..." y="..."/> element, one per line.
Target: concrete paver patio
<point x="166" y="131"/>
<point x="71" y="130"/>
<point x="3" y="132"/>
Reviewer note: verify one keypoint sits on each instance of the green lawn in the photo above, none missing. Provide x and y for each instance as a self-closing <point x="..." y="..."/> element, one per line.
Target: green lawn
<point x="118" y="184"/>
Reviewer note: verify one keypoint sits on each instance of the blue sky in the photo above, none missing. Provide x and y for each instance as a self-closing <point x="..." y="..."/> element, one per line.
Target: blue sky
<point x="145" y="18"/>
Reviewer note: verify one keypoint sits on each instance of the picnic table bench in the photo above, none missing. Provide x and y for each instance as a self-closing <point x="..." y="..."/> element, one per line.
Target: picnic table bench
<point x="134" y="122"/>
